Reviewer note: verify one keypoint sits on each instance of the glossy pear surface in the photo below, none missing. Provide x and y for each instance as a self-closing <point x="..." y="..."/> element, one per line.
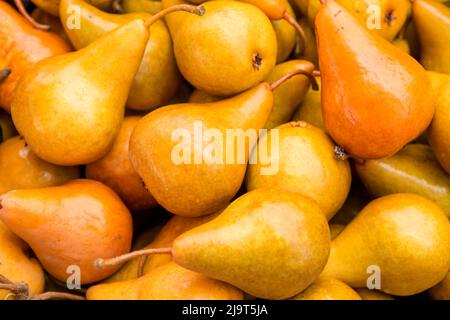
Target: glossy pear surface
<point x="270" y="243"/>
<point x="328" y="289"/>
<point x="150" y="6"/>
<point x="20" y="168"/>
<point x="157" y="78"/>
<point x="229" y="49"/>
<point x="306" y="165"/>
<point x="188" y="179"/>
<point x="166" y="282"/>
<point x="17" y="265"/>
<point x="414" y="169"/>
<point x="439" y="131"/>
<point x="432" y="21"/>
<point x="116" y="171"/>
<point x="69" y="108"/>
<point x="25" y="47"/>
<point x="375" y="97"/>
<point x="72" y="224"/>
<point x="405" y="235"/>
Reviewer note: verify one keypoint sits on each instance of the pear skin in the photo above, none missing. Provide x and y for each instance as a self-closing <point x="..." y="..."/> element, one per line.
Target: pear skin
<point x="69" y="108"/>
<point x="173" y="228"/>
<point x="157" y="79"/>
<point x="367" y="294"/>
<point x="405" y="235"/>
<point x="199" y="96"/>
<point x="432" y="21"/>
<point x="166" y="282"/>
<point x="116" y="171"/>
<point x="52" y="6"/>
<point x="16" y="265"/>
<point x="270" y="243"/>
<point x="72" y="224"/>
<point x="306" y="165"/>
<point x="413" y="169"/>
<point x="20" y="168"/>
<point x="375" y="97"/>
<point x="150" y="6"/>
<point x="26" y="46"/>
<point x="286" y="34"/>
<point x="328" y="289"/>
<point x="220" y="40"/>
<point x="164" y="151"/>
<point x="439" y="131"/>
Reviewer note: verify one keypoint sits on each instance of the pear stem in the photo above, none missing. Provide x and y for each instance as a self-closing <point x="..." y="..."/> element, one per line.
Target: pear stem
<point x="316" y="73"/>
<point x="102" y="263"/>
<point x="4" y="73"/>
<point x="141" y="266"/>
<point x="24" y="13"/>
<point x="18" y="289"/>
<point x="198" y="10"/>
<point x="340" y="154"/>
<point x="291" y="20"/>
<point x="56" y="295"/>
<point x="274" y="85"/>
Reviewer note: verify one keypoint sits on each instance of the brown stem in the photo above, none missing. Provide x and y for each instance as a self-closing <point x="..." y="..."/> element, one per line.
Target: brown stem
<point x="4" y="73"/>
<point x="340" y="154"/>
<point x="279" y="82"/>
<point x="141" y="266"/>
<point x="291" y="20"/>
<point x="316" y="73"/>
<point x="56" y="295"/>
<point x="18" y="289"/>
<point x="198" y="10"/>
<point x="102" y="263"/>
<point x="30" y="19"/>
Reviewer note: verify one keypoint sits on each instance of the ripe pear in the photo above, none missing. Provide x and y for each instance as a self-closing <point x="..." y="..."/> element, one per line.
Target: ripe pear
<point x="192" y="180"/>
<point x="306" y="165"/>
<point x="70" y="225"/>
<point x="439" y="131"/>
<point x="367" y="81"/>
<point x="7" y="129"/>
<point x="392" y="14"/>
<point x="413" y="169"/>
<point x="228" y="50"/>
<point x="310" y="110"/>
<point x="157" y="79"/>
<point x="275" y="243"/>
<point x="20" y="168"/>
<point x="442" y="290"/>
<point x="173" y="228"/>
<point x="116" y="171"/>
<point x="406" y="236"/>
<point x="150" y="6"/>
<point x="328" y="289"/>
<point x="16" y="264"/>
<point x="166" y="282"/>
<point x="432" y="21"/>
<point x="69" y="108"/>
<point x="367" y="294"/>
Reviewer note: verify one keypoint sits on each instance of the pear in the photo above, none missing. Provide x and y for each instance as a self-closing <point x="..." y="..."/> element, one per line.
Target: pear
<point x="199" y="96"/>
<point x="328" y="289"/>
<point x="439" y="131"/>
<point x="23" y="46"/>
<point x="157" y="78"/>
<point x="306" y="164"/>
<point x="405" y="237"/>
<point x="167" y="149"/>
<point x="150" y="6"/>
<point x="52" y="6"/>
<point x="69" y="108"/>
<point x="413" y="169"/>
<point x="367" y="294"/>
<point x="369" y="80"/>
<point x="21" y="169"/>
<point x="232" y="37"/>
<point x="116" y="171"/>
<point x="310" y="110"/>
<point x="70" y="225"/>
<point x="442" y="290"/>
<point x="166" y="282"/>
<point x="16" y="264"/>
<point x="432" y="21"/>
<point x="173" y="228"/>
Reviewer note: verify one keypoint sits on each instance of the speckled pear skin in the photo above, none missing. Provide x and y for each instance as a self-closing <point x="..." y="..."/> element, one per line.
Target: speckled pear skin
<point x="407" y="236"/>
<point x="191" y="188"/>
<point x="270" y="243"/>
<point x="166" y="282"/>
<point x="69" y="108"/>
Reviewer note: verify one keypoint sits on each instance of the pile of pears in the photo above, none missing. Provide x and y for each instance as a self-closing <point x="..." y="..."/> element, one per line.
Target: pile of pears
<point x="349" y="99"/>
